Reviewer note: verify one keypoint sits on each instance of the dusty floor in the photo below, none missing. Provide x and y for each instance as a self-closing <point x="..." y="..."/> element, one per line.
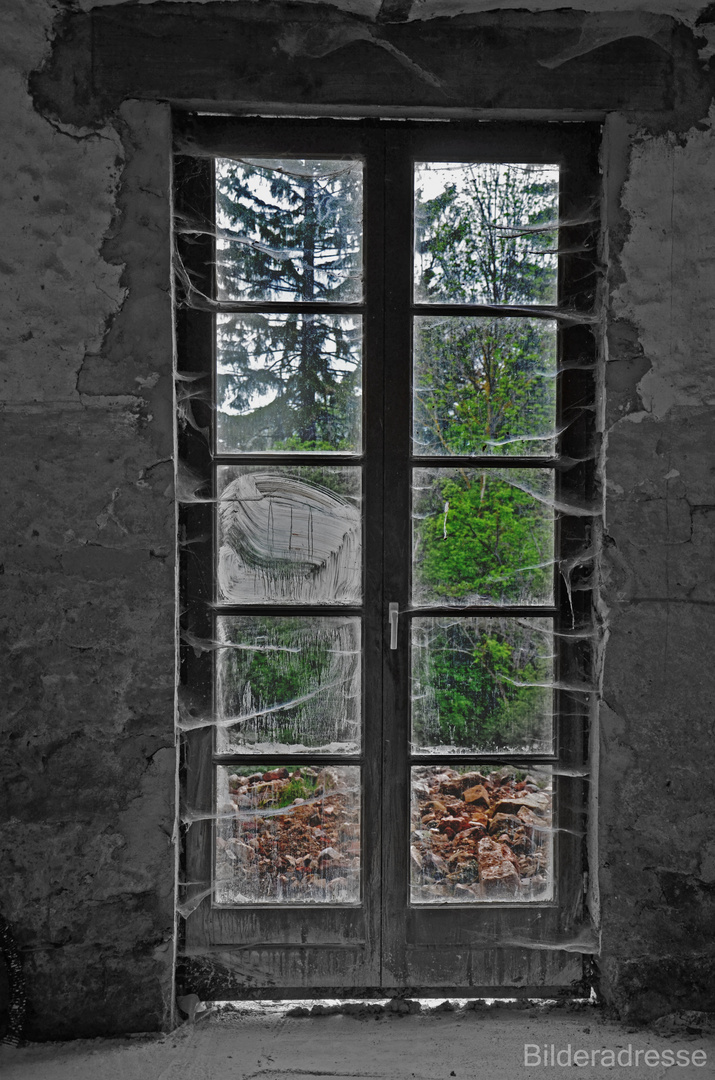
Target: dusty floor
<point x="268" y="1045"/>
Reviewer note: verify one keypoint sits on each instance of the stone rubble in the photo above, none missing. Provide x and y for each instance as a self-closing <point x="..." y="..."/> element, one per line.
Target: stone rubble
<point x="476" y="836"/>
<point x="310" y="853"/>
<point x="479" y="836"/>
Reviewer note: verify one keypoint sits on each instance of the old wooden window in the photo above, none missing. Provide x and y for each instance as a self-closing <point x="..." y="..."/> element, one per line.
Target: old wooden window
<point x="386" y="385"/>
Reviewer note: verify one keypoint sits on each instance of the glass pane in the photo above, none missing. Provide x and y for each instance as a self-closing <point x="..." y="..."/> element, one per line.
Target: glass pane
<point x="289" y="229"/>
<point x="289" y="534"/>
<point x="288" y="685"/>
<point x="484" y="386"/>
<point x="287" y="834"/>
<point x="482" y="685"/>
<point x="486" y="233"/>
<point x="288" y="382"/>
<point x="482" y="536"/>
<point x="481" y="833"/>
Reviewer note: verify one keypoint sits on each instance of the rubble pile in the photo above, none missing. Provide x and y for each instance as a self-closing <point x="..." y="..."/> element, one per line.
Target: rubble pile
<point x="479" y="836"/>
<point x="306" y="851"/>
<point x="475" y="835"/>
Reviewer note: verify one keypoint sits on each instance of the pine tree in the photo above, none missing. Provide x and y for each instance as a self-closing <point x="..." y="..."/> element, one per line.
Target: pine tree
<point x="289" y="230"/>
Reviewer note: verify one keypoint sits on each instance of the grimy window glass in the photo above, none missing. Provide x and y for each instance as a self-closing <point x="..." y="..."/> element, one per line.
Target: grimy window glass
<point x="387" y="385"/>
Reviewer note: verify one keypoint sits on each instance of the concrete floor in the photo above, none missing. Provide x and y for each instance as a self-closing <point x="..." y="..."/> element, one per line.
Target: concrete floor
<point x="266" y="1044"/>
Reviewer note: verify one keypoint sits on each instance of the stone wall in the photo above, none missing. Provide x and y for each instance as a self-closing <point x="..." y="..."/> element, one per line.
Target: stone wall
<point x="89" y="523"/>
<point x="657" y="854"/>
<point x="88" y="582"/>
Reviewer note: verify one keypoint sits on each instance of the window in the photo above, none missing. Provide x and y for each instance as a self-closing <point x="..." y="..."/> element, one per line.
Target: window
<point x="386" y="384"/>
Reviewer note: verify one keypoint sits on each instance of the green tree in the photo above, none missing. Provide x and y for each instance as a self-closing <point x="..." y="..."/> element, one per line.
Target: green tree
<point x="472" y="684"/>
<point x="488" y="235"/>
<point x="484" y="385"/>
<point x="483" y="536"/>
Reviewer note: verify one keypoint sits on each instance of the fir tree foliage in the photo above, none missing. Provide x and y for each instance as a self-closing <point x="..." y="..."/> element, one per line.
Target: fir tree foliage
<point x="289" y="230"/>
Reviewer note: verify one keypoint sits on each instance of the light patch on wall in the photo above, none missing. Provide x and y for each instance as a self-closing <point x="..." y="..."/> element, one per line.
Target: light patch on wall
<point x="669" y="265"/>
<point x="66" y="182"/>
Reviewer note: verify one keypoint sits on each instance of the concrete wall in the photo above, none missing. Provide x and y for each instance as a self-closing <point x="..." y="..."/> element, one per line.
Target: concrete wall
<point x="89" y="525"/>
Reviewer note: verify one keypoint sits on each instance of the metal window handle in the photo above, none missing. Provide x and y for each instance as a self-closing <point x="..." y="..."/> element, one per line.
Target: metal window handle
<point x="394" y="615"/>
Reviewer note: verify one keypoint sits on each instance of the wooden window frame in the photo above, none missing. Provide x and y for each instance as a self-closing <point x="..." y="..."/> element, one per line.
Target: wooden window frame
<point x="388" y="310"/>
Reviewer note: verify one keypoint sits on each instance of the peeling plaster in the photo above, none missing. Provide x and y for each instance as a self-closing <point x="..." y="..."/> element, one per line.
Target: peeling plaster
<point x="88" y="612"/>
<point x="64" y="192"/>
<point x="667" y="295"/>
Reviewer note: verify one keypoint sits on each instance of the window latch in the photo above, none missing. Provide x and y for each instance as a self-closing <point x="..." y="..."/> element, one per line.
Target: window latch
<point x="393" y="615"/>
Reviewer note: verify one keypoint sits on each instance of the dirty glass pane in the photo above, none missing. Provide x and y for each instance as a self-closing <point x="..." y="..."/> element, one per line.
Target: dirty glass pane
<point x="482" y="685"/>
<point x="289" y="534"/>
<point x="482" y="536"/>
<point x="287" y="834"/>
<point x="289" y="229"/>
<point x="486" y="233"/>
<point x="288" y="382"/>
<point x="481" y="833"/>
<point x="288" y="685"/>
<point x="484" y="386"/>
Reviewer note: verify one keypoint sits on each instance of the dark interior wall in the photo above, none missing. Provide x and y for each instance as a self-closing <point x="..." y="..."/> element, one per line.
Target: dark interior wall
<point x="89" y="521"/>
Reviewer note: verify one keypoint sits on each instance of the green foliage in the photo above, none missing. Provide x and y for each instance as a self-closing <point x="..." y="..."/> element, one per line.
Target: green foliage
<point x="299" y="787"/>
<point x="489" y="235"/>
<point x="293" y="665"/>
<point x="481" y="538"/>
<point x="469" y="686"/>
<point x="289" y="680"/>
<point x="484" y="385"/>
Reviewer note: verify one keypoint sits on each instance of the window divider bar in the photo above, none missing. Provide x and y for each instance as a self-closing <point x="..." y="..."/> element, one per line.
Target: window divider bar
<point x="505" y="311"/>
<point x="289" y="759"/>
<point x="485" y="462"/>
<point x="476" y="757"/>
<point x="265" y="611"/>
<point x="277" y="307"/>
<point x="288" y="457"/>
<point x="474" y="611"/>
